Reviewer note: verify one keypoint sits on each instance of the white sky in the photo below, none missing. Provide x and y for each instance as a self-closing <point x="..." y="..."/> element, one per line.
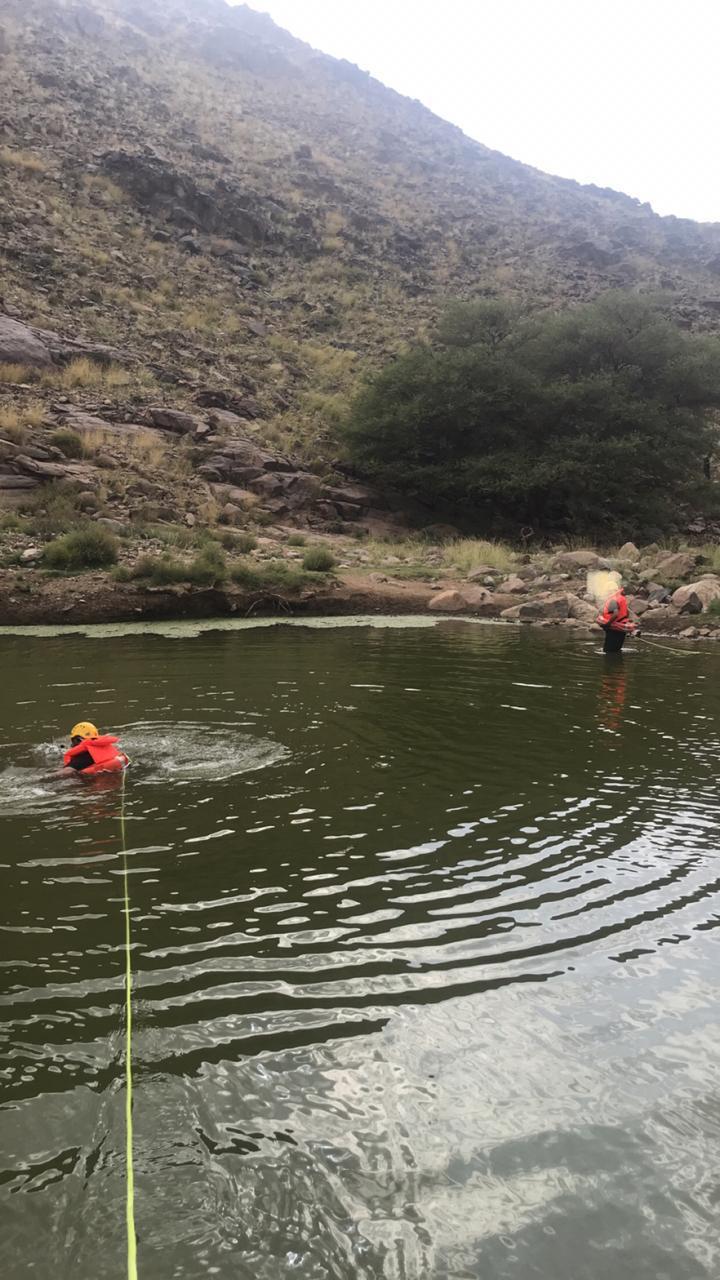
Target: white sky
<point x="623" y="93"/>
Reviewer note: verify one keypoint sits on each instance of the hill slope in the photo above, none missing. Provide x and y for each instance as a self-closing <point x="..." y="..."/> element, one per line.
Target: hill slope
<point x="250" y="225"/>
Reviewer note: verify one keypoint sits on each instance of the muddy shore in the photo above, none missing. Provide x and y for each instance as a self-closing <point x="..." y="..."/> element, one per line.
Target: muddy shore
<point x="27" y="600"/>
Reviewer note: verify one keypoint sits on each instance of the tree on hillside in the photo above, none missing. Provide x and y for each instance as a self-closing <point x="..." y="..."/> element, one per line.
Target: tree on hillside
<point x="596" y="419"/>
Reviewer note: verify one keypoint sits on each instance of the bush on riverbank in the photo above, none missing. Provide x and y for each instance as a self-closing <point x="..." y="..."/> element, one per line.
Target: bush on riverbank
<point x="594" y="419"/>
<point x="90" y="548"/>
<point x="318" y="560"/>
<point x="207" y="569"/>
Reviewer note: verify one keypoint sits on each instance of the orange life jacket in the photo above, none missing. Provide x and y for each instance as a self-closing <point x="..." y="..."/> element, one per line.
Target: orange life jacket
<point x="617" y="619"/>
<point x="105" y="755"/>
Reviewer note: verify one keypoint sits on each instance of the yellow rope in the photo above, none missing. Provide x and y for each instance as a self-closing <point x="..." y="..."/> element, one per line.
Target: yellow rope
<point x="666" y="648"/>
<point x="130" y="1180"/>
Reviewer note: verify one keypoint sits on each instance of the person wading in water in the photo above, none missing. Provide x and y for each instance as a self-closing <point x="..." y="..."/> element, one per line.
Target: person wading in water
<point x="616" y="622"/>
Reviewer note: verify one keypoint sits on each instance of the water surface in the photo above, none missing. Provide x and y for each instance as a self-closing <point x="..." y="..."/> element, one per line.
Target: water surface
<point x="424" y="928"/>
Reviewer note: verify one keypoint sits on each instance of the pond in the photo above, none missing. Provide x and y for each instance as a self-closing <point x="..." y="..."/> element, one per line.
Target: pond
<point x="424" y="922"/>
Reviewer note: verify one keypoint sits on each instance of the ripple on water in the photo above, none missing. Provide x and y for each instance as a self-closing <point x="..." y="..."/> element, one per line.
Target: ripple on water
<point x="425" y="991"/>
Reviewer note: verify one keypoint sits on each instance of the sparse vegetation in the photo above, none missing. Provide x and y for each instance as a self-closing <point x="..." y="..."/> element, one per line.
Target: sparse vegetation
<point x="297" y="540"/>
<point x="272" y="576"/>
<point x="318" y="560"/>
<point x="470" y="553"/>
<point x="207" y="569"/>
<point x="83" y="372"/>
<point x="68" y="442"/>
<point x="16" y="373"/>
<point x="91" y="547"/>
<point x="24" y="161"/>
<point x="237" y="540"/>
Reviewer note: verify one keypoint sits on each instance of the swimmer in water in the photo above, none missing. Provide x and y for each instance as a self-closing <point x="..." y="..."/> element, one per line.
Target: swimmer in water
<point x="91" y="753"/>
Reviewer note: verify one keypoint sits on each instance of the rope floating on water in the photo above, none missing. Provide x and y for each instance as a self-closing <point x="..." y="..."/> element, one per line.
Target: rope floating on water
<point x="666" y="648"/>
<point x="130" y="1171"/>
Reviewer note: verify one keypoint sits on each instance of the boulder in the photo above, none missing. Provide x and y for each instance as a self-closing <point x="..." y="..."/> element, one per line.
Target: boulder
<point x="575" y="561"/>
<point x="628" y="551"/>
<point x="638" y="606"/>
<point x="675" y="564"/>
<point x="656" y="593"/>
<point x="172" y="420"/>
<point x="224" y="419"/>
<point x="18" y="482"/>
<point x="695" y="597"/>
<point x="448" y="602"/>
<point x="19" y="345"/>
<point x="513" y="585"/>
<point x="690" y="633"/>
<point x="474" y="596"/>
<point x="545" y="608"/>
<point x="656" y="619"/>
<point x="581" y="610"/>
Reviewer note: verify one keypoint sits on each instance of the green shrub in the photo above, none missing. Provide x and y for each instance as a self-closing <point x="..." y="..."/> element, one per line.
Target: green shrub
<point x="207" y="569"/>
<point x="273" y="575"/>
<point x="318" y="560"/>
<point x="596" y="419"/>
<point x="714" y="608"/>
<point x="54" y="510"/>
<point x="88" y="548"/>
<point x="297" y="540"/>
<point x="236" y="540"/>
<point x="69" y="442"/>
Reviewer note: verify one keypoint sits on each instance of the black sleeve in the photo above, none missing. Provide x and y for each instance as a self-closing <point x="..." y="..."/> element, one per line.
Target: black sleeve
<point x="80" y="761"/>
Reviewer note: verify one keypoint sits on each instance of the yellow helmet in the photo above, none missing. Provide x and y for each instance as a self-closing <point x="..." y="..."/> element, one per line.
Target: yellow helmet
<point x="84" y="729"/>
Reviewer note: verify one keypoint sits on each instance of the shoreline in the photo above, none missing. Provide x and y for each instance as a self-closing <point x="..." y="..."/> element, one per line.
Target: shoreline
<point x="93" y="599"/>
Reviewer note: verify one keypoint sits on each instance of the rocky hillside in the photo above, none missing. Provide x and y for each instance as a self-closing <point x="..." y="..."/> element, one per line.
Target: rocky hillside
<point x="211" y="230"/>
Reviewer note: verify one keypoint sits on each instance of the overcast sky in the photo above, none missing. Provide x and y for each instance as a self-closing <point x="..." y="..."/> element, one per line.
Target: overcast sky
<point x="623" y="93"/>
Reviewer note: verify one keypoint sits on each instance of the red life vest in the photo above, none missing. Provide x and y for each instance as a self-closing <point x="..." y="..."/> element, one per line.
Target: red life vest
<point x="105" y="755"/>
<point x="616" y="619"/>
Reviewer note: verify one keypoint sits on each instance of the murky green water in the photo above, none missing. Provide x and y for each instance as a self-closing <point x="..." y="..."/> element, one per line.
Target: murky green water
<point x="425" y="944"/>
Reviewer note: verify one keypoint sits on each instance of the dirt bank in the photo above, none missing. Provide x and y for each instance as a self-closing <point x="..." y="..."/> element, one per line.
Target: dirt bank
<point x="30" y="599"/>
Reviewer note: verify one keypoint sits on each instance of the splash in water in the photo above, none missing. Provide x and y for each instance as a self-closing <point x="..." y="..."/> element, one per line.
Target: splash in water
<point x="181" y="751"/>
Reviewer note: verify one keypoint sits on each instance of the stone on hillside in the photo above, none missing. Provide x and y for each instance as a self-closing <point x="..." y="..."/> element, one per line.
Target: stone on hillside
<point x="657" y="594"/>
<point x="30" y="555"/>
<point x="19" y="345"/>
<point x="513" y="585"/>
<point x="448" y="602"/>
<point x="628" y="551"/>
<point x="575" y="561"/>
<point x="114" y="526"/>
<point x="690" y="633"/>
<point x="18" y="482"/>
<point x="675" y="564"/>
<point x="695" y="597"/>
<point x="224" y="419"/>
<point x="546" y="608"/>
<point x="172" y="419"/>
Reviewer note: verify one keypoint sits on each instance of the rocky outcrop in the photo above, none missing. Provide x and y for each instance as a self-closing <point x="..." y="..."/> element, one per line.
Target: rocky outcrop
<point x="163" y="191"/>
<point x="20" y="345"/>
<point x="41" y="348"/>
